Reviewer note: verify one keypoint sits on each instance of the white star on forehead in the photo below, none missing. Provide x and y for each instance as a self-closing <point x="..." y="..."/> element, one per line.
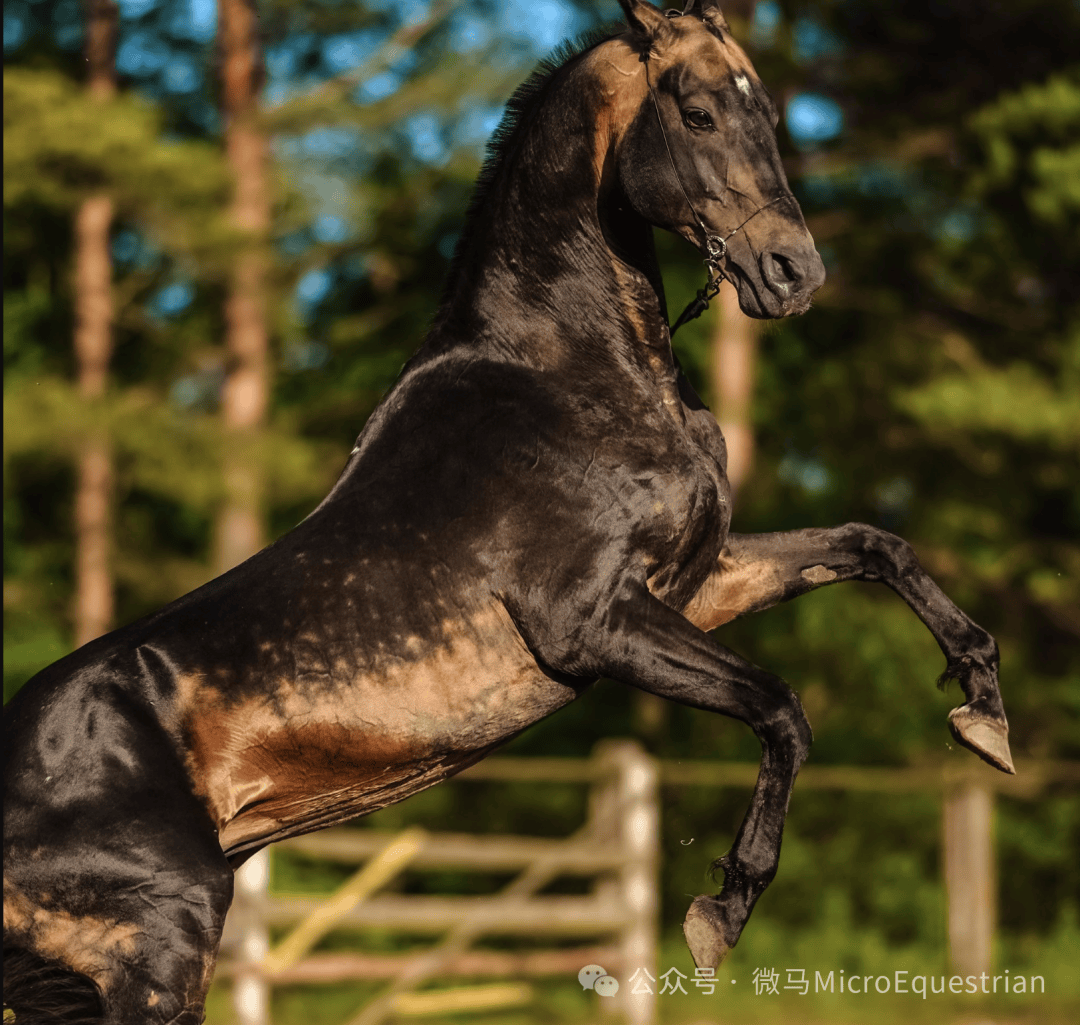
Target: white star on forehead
<point x="743" y="83"/>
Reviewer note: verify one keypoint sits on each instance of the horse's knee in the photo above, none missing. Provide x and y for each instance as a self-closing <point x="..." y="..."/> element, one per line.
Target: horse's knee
<point x="784" y="727"/>
<point x="882" y="556"/>
<point x="797" y="727"/>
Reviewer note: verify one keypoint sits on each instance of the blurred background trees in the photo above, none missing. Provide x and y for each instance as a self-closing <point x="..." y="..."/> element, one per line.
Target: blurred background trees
<point x="934" y="389"/>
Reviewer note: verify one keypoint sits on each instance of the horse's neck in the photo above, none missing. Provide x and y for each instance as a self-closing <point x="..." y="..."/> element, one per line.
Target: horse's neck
<point x="557" y="268"/>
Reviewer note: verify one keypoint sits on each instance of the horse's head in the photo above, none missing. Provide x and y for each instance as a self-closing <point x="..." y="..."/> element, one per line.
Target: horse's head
<point x="697" y="154"/>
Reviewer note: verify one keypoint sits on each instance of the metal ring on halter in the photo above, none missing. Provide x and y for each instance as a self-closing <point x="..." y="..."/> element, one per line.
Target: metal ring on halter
<point x="716" y="247"/>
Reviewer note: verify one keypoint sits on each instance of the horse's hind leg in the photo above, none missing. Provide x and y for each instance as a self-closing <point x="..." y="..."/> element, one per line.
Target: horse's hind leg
<point x="756" y="571"/>
<point x="136" y="947"/>
<point x="119" y="903"/>
<point x="144" y="957"/>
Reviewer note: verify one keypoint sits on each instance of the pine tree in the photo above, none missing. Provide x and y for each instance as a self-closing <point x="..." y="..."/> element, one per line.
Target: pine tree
<point x="734" y="346"/>
<point x="93" y="347"/>
<point x="244" y="396"/>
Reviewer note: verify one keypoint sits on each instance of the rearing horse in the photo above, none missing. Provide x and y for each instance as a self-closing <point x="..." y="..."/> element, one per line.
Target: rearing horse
<point x="541" y="500"/>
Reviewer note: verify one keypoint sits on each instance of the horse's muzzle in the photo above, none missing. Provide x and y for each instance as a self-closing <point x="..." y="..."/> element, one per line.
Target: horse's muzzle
<point x="793" y="276"/>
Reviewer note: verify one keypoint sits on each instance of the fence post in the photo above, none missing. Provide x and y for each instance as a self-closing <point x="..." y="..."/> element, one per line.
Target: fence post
<point x="625" y="809"/>
<point x="967" y="828"/>
<point x="251" y="993"/>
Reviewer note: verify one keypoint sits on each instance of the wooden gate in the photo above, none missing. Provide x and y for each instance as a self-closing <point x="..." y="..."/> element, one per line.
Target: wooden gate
<point x="617" y="847"/>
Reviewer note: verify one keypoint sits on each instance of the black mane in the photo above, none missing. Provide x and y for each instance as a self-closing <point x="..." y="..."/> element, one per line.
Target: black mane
<point x="519" y="109"/>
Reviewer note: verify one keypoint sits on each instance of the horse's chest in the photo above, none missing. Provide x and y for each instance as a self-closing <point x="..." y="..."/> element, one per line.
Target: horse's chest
<point x="684" y="533"/>
<point x="684" y="521"/>
<point x="681" y="488"/>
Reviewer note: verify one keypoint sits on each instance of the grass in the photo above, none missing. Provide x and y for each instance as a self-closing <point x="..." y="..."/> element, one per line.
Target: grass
<point x="764" y="946"/>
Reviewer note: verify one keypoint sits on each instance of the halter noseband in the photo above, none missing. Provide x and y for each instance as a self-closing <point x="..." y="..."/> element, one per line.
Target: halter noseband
<point x="715" y="246"/>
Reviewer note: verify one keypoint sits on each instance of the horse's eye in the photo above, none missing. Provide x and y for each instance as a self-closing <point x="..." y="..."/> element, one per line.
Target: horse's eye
<point x="696" y="118"/>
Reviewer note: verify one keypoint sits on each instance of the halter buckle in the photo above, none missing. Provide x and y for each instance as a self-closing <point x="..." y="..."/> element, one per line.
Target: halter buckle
<point x="716" y="247"/>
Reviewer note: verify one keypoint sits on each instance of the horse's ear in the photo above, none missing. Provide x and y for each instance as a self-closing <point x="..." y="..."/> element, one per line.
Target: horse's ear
<point x="646" y="22"/>
<point x="709" y="12"/>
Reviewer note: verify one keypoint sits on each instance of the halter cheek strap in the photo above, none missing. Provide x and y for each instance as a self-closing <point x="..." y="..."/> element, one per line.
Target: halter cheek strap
<point x="715" y="246"/>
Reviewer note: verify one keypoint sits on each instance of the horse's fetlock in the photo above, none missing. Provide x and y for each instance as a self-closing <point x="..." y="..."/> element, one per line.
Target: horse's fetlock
<point x="746" y="880"/>
<point x="723" y="864"/>
<point x="984" y="651"/>
<point x="756" y="880"/>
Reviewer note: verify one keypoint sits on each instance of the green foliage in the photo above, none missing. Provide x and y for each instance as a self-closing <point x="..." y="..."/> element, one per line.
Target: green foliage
<point x="1016" y="401"/>
<point x="60" y="146"/>
<point x="158" y="450"/>
<point x="1029" y="138"/>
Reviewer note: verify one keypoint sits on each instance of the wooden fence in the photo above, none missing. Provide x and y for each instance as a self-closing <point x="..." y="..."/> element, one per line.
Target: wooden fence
<point x="967" y="788"/>
<point x="618" y="846"/>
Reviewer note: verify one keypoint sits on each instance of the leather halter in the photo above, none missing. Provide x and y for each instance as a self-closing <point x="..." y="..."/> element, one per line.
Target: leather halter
<point x="715" y="245"/>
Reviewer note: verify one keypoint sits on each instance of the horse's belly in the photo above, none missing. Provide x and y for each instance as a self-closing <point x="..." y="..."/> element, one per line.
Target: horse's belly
<point x="306" y="755"/>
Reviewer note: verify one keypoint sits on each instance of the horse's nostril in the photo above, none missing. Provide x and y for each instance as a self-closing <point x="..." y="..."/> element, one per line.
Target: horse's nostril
<point x="786" y="276"/>
<point x="787" y="268"/>
<point x="781" y="270"/>
<point x="792" y="277"/>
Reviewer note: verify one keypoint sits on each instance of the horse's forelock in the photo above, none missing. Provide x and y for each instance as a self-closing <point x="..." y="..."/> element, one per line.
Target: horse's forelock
<point x="709" y="12"/>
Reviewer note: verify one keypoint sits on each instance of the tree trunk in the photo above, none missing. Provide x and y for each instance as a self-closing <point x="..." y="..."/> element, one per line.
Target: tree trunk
<point x="244" y="397"/>
<point x="734" y="356"/>
<point x="244" y="401"/>
<point x="93" y="348"/>
<point x="735" y="347"/>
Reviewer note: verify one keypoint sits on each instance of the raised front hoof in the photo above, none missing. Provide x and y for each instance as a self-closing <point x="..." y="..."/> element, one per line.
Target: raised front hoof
<point x="704" y="932"/>
<point x="988" y="738"/>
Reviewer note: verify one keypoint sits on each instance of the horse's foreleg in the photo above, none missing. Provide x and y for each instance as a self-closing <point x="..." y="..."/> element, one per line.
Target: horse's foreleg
<point x="640" y="641"/>
<point x="755" y="571"/>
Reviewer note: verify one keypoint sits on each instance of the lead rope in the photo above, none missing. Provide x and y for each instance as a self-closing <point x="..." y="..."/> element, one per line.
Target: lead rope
<point x="715" y="246"/>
